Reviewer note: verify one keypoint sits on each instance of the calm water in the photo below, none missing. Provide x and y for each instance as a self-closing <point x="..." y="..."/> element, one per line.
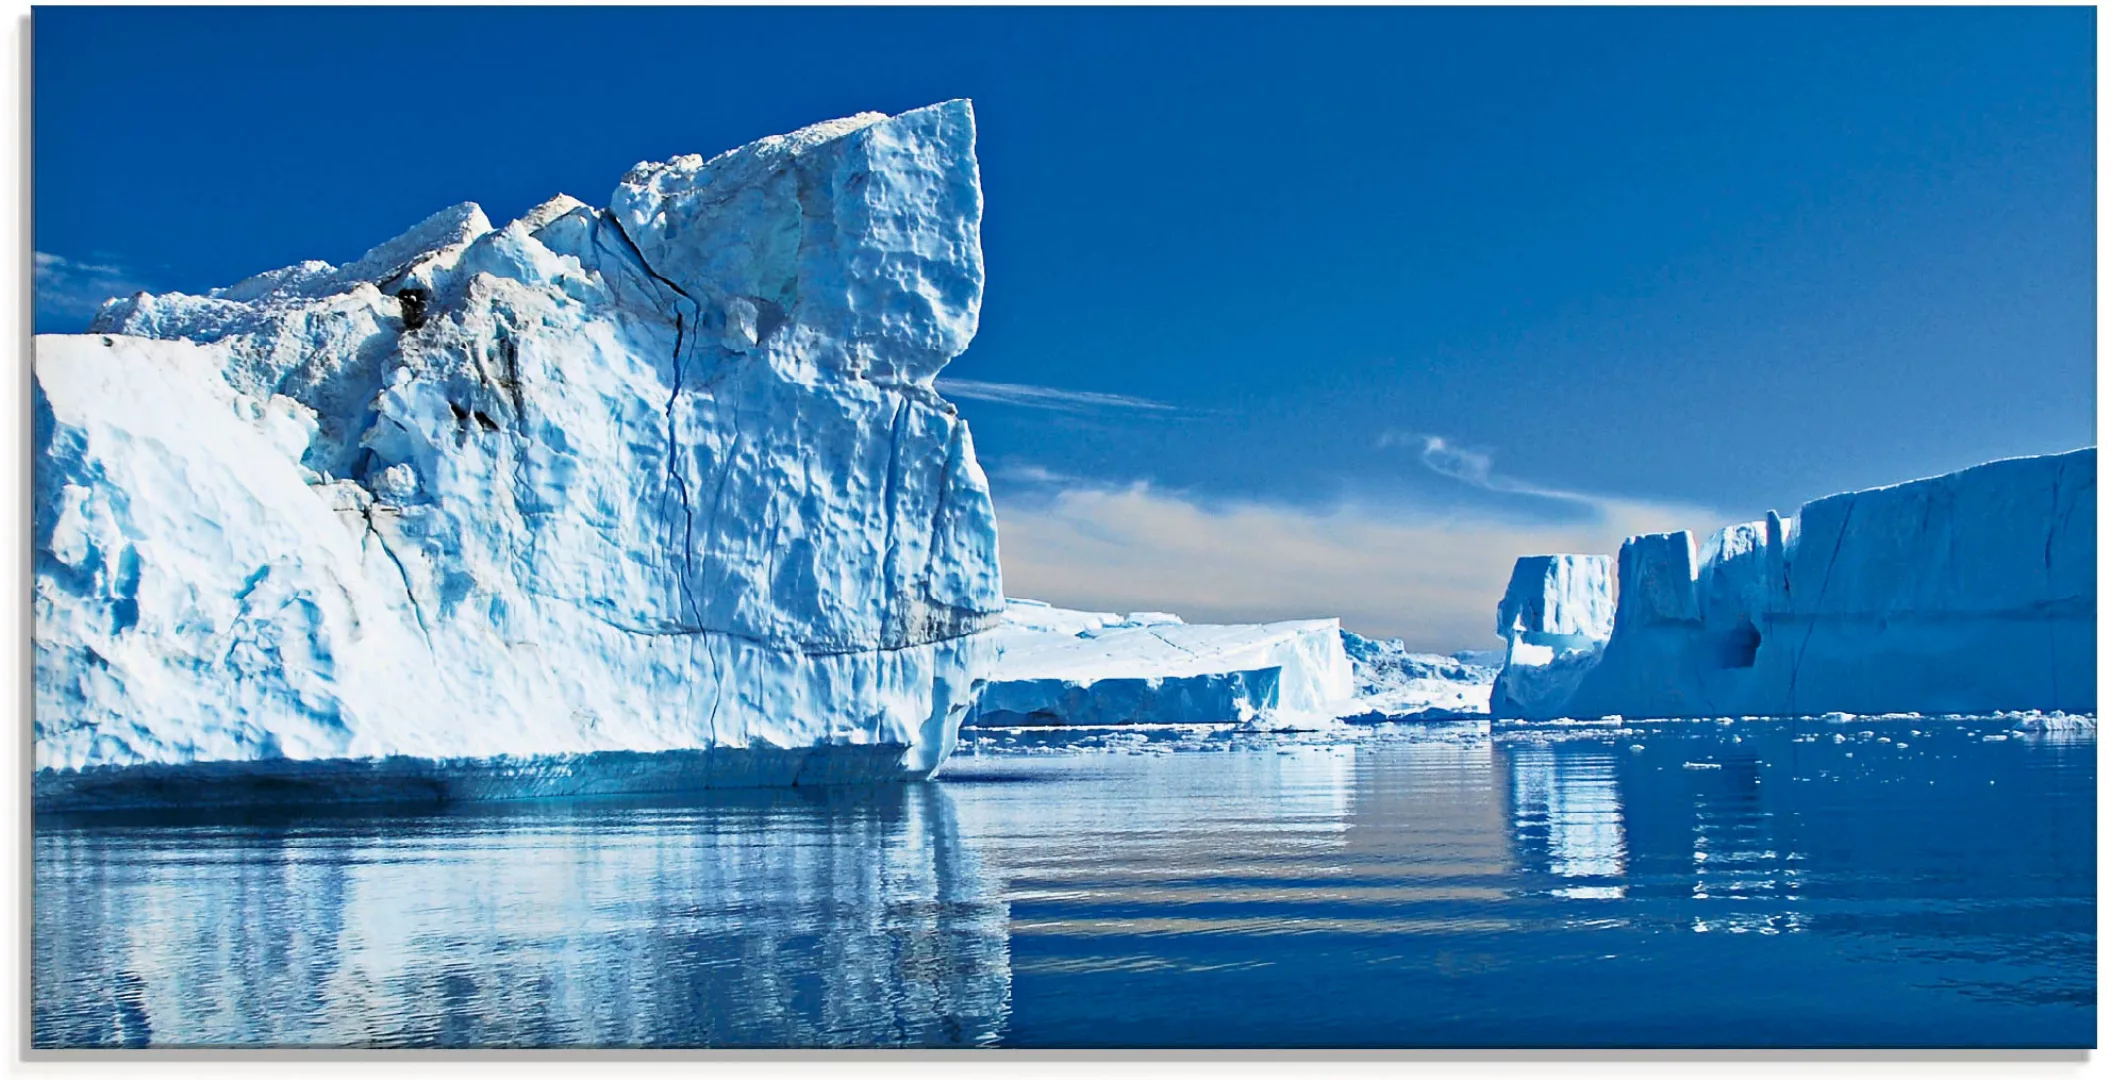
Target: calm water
<point x="1868" y="883"/>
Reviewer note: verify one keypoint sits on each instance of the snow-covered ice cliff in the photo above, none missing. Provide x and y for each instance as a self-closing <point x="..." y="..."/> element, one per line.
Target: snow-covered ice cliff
<point x="1969" y="592"/>
<point x="1056" y="666"/>
<point x="666" y="476"/>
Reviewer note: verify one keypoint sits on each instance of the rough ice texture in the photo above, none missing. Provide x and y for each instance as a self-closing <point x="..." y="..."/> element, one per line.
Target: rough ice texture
<point x="1558" y="596"/>
<point x="1965" y="593"/>
<point x="666" y="476"/>
<point x="1393" y="684"/>
<point x="1056" y="666"/>
<point x="1555" y="615"/>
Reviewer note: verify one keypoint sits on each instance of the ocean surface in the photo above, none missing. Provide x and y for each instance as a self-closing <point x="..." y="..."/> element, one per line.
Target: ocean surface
<point x="1864" y="882"/>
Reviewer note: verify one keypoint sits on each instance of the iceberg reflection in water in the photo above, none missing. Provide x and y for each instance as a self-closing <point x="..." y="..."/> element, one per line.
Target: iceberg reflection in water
<point x="1570" y="803"/>
<point x="1921" y="882"/>
<point x="844" y="917"/>
<point x="1869" y="882"/>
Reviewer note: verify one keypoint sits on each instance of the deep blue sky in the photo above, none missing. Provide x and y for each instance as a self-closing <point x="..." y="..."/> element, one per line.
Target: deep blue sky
<point x="1716" y="257"/>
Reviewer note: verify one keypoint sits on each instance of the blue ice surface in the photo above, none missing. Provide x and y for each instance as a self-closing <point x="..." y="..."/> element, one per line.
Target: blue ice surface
<point x="1842" y="882"/>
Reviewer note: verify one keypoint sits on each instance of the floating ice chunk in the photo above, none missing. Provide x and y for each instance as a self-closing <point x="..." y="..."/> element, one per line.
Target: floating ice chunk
<point x="2056" y="722"/>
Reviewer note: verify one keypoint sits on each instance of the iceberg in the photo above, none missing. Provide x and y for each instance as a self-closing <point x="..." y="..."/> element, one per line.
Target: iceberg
<point x="1061" y="667"/>
<point x="1393" y="684"/>
<point x="1972" y="592"/>
<point x="530" y="504"/>
<point x="1554" y="617"/>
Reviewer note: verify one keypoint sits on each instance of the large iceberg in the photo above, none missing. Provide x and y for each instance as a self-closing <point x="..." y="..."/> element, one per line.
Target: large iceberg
<point x="1061" y="667"/>
<point x="1969" y="592"/>
<point x="538" y="502"/>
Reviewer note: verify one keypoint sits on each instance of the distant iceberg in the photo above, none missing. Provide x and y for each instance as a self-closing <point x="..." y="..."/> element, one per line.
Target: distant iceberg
<point x="1393" y="684"/>
<point x="1061" y="667"/>
<point x="1971" y="592"/>
<point x="666" y="477"/>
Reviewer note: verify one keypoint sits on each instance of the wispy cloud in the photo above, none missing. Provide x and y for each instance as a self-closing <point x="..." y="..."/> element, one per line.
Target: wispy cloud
<point x="1474" y="468"/>
<point x="69" y="290"/>
<point x="1029" y="396"/>
<point x="1465" y="466"/>
<point x="1029" y="473"/>
<point x="1431" y="578"/>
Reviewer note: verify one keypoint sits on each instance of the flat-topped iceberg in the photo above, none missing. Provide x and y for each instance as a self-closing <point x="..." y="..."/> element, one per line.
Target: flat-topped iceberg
<point x="1393" y="684"/>
<point x="665" y="477"/>
<point x="1971" y="592"/>
<point x="1061" y="667"/>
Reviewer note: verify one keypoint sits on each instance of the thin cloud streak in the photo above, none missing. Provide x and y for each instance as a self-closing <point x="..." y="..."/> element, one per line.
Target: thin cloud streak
<point x="1029" y="396"/>
<point x="1475" y="468"/>
<point x="68" y="289"/>
<point x="1465" y="466"/>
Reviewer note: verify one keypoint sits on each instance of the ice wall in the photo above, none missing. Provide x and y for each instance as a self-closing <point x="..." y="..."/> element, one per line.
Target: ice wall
<point x="666" y="476"/>
<point x="1969" y="592"/>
